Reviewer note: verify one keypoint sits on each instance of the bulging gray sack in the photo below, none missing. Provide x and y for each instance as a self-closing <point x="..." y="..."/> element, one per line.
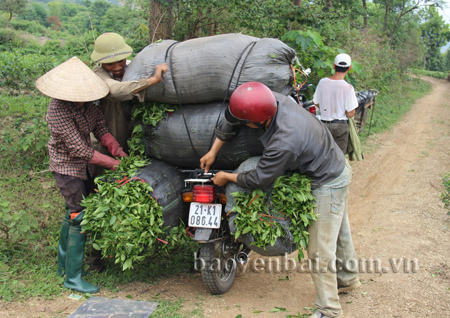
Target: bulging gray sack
<point x="167" y="183"/>
<point x="284" y="244"/>
<point x="210" y="68"/>
<point x="187" y="134"/>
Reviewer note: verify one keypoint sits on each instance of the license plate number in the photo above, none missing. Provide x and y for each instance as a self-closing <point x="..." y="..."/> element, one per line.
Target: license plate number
<point x="205" y="215"/>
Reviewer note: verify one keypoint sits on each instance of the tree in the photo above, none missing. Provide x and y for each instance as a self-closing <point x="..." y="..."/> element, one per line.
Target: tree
<point x="160" y="20"/>
<point x="364" y="5"/>
<point x="121" y="20"/>
<point x="447" y="61"/>
<point x="396" y="10"/>
<point x="12" y="7"/>
<point x="435" y="34"/>
<point x="55" y="23"/>
<point x="97" y="11"/>
<point x="35" y="12"/>
<point x="186" y="19"/>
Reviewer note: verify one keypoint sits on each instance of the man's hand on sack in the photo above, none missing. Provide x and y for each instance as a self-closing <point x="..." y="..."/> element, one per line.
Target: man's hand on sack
<point x="160" y="70"/>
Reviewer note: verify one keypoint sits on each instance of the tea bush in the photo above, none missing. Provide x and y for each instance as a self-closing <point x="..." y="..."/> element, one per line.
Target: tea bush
<point x="14" y="225"/>
<point x="438" y="75"/>
<point x="28" y="26"/>
<point x="20" y="70"/>
<point x="24" y="133"/>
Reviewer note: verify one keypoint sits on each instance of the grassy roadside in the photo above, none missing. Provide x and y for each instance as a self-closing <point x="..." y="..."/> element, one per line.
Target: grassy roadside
<point x="28" y="240"/>
<point x="391" y="106"/>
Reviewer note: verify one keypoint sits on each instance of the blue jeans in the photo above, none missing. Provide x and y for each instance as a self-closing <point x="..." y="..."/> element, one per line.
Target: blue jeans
<point x="330" y="247"/>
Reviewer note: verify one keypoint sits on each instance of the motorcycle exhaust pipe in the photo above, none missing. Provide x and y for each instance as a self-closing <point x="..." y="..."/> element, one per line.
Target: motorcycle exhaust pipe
<point x="242" y="257"/>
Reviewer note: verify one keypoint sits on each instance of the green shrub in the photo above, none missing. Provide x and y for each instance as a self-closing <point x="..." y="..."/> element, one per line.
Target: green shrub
<point x="24" y="134"/>
<point x="52" y="47"/>
<point x="8" y="35"/>
<point x="28" y="26"/>
<point x="14" y="225"/>
<point x="28" y="140"/>
<point x="20" y="70"/>
<point x="438" y="75"/>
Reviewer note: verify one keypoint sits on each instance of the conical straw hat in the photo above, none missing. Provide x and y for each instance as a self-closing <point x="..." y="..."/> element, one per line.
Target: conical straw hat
<point x="72" y="81"/>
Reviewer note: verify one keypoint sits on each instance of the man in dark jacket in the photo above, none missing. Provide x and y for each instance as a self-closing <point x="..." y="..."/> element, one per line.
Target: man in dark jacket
<point x="294" y="140"/>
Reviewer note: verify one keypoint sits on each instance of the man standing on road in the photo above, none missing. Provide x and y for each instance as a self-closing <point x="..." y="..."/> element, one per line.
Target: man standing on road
<point x="337" y="101"/>
<point x="111" y="52"/>
<point x="294" y="140"/>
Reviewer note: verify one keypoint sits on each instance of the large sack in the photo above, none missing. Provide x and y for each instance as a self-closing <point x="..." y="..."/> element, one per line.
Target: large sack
<point x="167" y="183"/>
<point x="204" y="69"/>
<point x="284" y="244"/>
<point x="171" y="140"/>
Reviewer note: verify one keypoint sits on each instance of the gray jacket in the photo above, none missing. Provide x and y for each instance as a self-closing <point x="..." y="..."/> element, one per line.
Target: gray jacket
<point x="295" y="141"/>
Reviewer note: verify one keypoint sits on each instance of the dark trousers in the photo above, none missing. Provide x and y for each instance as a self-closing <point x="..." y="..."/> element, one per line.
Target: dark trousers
<point x="73" y="190"/>
<point x="340" y="133"/>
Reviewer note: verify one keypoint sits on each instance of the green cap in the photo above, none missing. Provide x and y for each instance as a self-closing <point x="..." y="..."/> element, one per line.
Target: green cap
<point x="109" y="48"/>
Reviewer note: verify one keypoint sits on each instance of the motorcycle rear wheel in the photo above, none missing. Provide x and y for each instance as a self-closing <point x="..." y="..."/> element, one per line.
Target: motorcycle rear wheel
<point x="360" y="118"/>
<point x="219" y="269"/>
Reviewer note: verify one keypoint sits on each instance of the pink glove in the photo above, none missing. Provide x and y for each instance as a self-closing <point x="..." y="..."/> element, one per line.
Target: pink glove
<point x="113" y="146"/>
<point x="104" y="161"/>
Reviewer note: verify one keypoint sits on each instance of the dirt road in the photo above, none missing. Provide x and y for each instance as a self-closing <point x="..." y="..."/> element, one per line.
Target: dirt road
<point x="398" y="222"/>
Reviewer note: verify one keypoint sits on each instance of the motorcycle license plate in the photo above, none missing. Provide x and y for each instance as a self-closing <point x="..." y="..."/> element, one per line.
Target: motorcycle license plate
<point x="206" y="215"/>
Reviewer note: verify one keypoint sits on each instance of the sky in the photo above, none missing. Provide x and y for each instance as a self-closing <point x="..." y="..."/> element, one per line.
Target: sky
<point x="446" y="13"/>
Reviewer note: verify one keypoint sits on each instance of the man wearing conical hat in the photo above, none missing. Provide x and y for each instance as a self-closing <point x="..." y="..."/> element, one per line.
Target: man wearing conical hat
<point x="111" y="52"/>
<point x="73" y="114"/>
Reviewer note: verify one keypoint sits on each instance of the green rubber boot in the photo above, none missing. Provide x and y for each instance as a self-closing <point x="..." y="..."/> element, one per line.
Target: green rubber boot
<point x="62" y="247"/>
<point x="74" y="259"/>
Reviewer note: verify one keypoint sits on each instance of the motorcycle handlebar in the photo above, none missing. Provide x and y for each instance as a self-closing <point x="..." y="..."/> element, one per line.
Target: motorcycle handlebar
<point x="201" y="173"/>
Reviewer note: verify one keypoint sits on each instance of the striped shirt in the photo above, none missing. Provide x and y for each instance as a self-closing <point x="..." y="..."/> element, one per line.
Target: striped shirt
<point x="70" y="144"/>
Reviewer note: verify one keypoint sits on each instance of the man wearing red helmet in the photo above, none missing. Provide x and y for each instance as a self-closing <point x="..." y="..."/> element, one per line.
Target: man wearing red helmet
<point x="295" y="140"/>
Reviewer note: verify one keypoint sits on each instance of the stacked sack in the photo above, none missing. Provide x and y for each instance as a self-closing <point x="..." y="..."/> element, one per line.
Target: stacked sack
<point x="202" y="74"/>
<point x="208" y="69"/>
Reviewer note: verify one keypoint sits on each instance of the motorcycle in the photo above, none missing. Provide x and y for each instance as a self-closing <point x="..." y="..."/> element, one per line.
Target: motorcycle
<point x="366" y="100"/>
<point x="299" y="97"/>
<point x="220" y="254"/>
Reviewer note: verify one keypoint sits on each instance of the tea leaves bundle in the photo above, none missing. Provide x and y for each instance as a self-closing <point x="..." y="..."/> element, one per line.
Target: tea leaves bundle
<point x="286" y="211"/>
<point x="124" y="219"/>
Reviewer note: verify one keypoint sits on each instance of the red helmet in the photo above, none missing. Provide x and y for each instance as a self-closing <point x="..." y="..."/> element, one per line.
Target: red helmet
<point x="251" y="102"/>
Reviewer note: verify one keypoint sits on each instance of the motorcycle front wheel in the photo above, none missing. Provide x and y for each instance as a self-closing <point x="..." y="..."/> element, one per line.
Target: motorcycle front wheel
<point x="219" y="267"/>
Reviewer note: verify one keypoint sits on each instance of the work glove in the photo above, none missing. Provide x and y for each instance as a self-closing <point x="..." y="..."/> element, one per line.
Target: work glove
<point x="104" y="161"/>
<point x="113" y="146"/>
